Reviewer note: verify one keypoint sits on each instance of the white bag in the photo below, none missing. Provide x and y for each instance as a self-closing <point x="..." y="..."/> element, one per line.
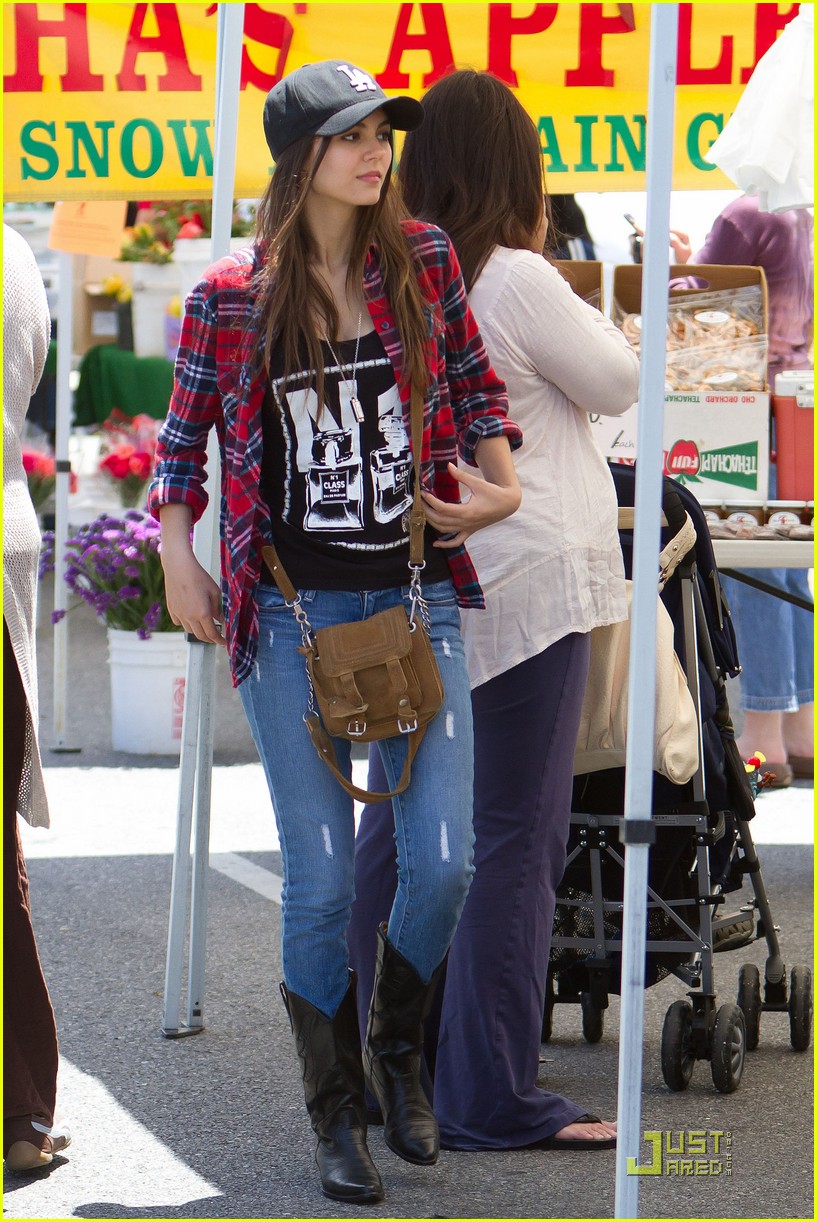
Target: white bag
<point x="602" y="737"/>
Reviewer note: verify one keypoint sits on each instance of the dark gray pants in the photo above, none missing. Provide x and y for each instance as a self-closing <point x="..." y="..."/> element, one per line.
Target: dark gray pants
<point x="485" y="1059"/>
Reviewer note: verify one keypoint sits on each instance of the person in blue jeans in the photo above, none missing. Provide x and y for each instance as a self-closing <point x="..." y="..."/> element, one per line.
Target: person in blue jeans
<point x="775" y="639"/>
<point x="303" y="353"/>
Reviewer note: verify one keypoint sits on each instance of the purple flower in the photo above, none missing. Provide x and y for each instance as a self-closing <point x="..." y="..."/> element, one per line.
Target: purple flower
<point x="56" y="616"/>
<point x="132" y="570"/>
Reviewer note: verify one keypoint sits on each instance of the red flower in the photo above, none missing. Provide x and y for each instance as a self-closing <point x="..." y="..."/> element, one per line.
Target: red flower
<point x="140" y="464"/>
<point x="117" y="463"/>
<point x="36" y="463"/>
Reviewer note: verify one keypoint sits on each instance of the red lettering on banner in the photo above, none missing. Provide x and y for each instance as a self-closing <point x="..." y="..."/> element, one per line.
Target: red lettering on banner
<point x="271" y="30"/>
<point x="593" y="26"/>
<point x="720" y="74"/>
<point x="503" y="27"/>
<point x="769" y="21"/>
<point x="168" y="42"/>
<point x="29" y="28"/>
<point x="434" y="38"/>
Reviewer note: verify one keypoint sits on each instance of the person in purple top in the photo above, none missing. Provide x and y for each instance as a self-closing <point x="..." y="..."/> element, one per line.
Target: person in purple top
<point x="775" y="638"/>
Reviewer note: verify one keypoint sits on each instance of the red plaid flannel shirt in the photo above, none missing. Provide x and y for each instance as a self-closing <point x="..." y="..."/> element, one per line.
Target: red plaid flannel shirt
<point x="214" y="388"/>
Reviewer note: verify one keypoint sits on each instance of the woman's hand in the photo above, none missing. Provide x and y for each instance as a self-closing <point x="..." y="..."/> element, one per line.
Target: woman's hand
<point x="193" y="597"/>
<point x="493" y="498"/>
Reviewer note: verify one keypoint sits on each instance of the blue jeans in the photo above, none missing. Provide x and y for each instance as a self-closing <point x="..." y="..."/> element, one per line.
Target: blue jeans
<point x="775" y="642"/>
<point x="315" y="816"/>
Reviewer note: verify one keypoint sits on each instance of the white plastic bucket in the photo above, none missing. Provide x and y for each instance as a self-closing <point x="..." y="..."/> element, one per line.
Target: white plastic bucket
<point x="192" y="257"/>
<point x="147" y="691"/>
<point x="154" y="287"/>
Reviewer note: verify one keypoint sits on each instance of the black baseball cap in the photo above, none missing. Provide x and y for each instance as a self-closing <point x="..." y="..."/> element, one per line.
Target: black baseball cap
<point x="328" y="98"/>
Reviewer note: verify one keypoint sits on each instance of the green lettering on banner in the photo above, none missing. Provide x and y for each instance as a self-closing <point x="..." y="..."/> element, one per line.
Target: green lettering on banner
<point x="550" y="146"/>
<point x="732" y="465"/>
<point x="696" y="156"/>
<point x="99" y="158"/>
<point x="202" y="151"/>
<point x="587" y="165"/>
<point x="37" y="148"/>
<point x="126" y="148"/>
<point x="620" y="131"/>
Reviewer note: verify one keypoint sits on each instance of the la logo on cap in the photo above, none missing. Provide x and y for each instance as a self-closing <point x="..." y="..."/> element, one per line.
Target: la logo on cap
<point x="359" y="80"/>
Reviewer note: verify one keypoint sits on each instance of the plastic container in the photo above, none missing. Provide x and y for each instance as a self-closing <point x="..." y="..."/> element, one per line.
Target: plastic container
<point x="192" y="258"/>
<point x="793" y="410"/>
<point x="154" y="287"/>
<point x="147" y="691"/>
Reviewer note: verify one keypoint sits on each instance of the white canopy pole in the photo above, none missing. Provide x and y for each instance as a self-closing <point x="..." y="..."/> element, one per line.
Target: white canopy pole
<point x="637" y="827"/>
<point x="196" y="762"/>
<point x="65" y="325"/>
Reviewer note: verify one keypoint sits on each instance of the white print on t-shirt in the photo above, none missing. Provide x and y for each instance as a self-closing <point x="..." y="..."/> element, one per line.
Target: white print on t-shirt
<point x="391" y="466"/>
<point x="327" y="454"/>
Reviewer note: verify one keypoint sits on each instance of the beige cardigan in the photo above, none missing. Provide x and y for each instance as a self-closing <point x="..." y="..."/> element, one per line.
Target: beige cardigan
<point x="26" y="334"/>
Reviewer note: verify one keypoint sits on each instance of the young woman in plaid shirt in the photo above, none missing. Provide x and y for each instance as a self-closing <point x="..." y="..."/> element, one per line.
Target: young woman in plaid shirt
<point x="302" y="354"/>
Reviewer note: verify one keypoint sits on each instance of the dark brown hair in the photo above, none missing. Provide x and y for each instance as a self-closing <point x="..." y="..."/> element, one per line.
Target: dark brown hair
<point x="293" y="305"/>
<point x="474" y="167"/>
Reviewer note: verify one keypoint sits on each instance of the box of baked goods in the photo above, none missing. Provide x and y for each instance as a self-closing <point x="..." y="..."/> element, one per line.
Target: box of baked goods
<point x="716" y="399"/>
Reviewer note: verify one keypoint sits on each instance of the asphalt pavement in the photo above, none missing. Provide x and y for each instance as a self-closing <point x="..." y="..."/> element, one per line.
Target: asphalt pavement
<point x="213" y="1126"/>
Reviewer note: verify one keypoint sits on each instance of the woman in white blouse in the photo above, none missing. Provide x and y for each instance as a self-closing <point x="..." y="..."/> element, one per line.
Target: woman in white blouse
<point x="550" y="574"/>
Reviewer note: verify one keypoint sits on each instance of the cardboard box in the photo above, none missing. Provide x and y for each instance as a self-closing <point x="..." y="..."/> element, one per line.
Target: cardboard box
<point x="95" y="315"/>
<point x="627" y="283"/>
<point x="715" y="441"/>
<point x="585" y="277"/>
<point x="717" y="444"/>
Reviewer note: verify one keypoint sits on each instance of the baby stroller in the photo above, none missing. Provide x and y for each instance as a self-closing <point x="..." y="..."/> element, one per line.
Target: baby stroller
<point x="702" y="851"/>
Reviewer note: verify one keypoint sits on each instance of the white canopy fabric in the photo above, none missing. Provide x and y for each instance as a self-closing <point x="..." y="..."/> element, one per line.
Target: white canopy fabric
<point x="767" y="147"/>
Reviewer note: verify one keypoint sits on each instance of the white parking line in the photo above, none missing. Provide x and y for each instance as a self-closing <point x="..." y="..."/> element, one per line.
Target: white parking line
<point x="248" y="874"/>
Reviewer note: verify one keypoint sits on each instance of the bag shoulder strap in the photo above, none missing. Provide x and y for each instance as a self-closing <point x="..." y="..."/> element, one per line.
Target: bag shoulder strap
<point x="325" y="748"/>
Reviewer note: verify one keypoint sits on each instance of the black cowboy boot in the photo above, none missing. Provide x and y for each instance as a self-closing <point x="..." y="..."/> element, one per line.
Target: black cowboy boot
<point x="329" y="1052"/>
<point x="391" y="1055"/>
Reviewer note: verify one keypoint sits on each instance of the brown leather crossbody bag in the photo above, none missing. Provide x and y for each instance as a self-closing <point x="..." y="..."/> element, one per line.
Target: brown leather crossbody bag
<point x="373" y="678"/>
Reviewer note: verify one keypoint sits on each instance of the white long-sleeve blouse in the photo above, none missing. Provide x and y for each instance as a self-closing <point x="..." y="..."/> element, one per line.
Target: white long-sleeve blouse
<point x="555" y="566"/>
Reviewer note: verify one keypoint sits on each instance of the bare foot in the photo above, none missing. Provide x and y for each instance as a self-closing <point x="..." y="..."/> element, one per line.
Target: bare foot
<point x="603" y="1131"/>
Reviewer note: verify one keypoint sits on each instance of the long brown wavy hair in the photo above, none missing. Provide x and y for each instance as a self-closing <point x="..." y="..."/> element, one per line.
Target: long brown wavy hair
<point x="293" y="306"/>
<point x="474" y="167"/>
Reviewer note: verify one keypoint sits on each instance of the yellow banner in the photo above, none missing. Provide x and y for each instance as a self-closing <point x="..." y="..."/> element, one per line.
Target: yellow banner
<point x="116" y="101"/>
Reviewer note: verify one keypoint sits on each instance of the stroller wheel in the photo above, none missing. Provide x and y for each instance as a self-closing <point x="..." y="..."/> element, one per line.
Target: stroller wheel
<point x="677" y="1054"/>
<point x="750" y="1003"/>
<point x="592" y="1020"/>
<point x="728" y="1048"/>
<point x="801" y="1005"/>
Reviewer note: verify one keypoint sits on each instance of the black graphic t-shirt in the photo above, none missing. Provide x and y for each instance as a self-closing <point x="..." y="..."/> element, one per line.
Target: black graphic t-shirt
<point x="337" y="475"/>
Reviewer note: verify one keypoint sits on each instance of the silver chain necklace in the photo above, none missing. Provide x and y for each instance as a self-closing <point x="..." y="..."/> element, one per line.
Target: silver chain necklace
<point x="351" y="382"/>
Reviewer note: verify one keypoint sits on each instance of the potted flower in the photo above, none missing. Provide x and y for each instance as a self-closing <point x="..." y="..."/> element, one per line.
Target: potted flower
<point x="41" y="476"/>
<point x="114" y="565"/>
<point x="120" y="290"/>
<point x="129" y="451"/>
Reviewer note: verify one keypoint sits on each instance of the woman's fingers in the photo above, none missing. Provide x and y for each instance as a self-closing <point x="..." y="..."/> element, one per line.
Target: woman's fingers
<point x="194" y="600"/>
<point x="488" y="503"/>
